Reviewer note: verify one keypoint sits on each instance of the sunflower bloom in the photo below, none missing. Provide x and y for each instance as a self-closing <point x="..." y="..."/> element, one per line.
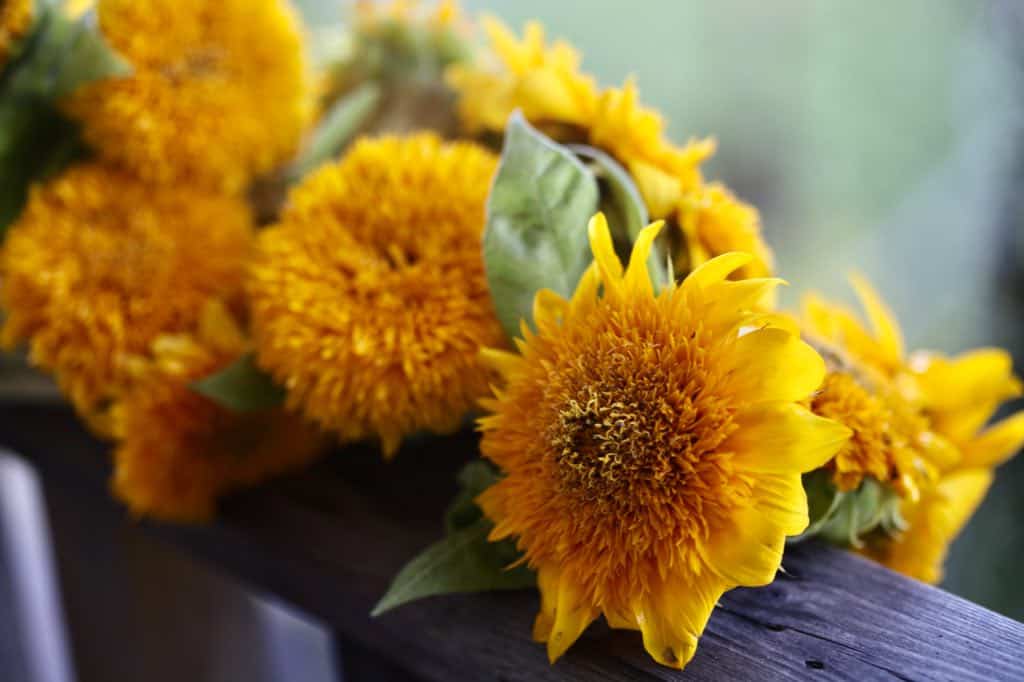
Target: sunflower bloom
<point x="218" y="94"/>
<point x="918" y="424"/>
<point x="16" y="17"/>
<point x="99" y="265"/>
<point x="181" y="451"/>
<point x="652" y="447"/>
<point x="545" y="82"/>
<point x="370" y="302"/>
<point x="554" y="95"/>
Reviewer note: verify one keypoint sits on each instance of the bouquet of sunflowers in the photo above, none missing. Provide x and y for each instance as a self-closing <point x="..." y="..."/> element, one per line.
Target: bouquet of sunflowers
<point x="234" y="242"/>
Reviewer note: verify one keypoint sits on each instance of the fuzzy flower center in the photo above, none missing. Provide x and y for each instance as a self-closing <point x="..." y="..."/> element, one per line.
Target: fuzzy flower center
<point x="630" y="434"/>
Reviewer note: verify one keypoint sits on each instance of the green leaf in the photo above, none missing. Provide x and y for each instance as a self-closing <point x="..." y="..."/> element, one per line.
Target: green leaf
<point x="474" y="478"/>
<point x="872" y="507"/>
<point x="823" y="501"/>
<point x="625" y="209"/>
<point x="241" y="387"/>
<point x="537" y="214"/>
<point x="338" y="126"/>
<point x="464" y="561"/>
<point x="36" y="140"/>
<point x="87" y="56"/>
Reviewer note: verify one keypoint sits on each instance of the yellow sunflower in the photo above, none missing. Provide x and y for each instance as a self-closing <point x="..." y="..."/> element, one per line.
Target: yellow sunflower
<point x="16" y="17"/>
<point x="218" y="94"/>
<point x="180" y="451"/>
<point x="370" y="301"/>
<point x="652" y="447"/>
<point x="99" y="264"/>
<point x="918" y="424"/>
<point x="544" y="81"/>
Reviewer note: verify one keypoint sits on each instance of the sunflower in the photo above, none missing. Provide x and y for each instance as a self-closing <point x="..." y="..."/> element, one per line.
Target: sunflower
<point x="545" y="82"/>
<point x="99" y="264"/>
<point x="959" y="396"/>
<point x="370" y="301"/>
<point x="652" y="447"/>
<point x="180" y="451"/>
<point x="16" y="17"/>
<point x="219" y="90"/>
<point x="918" y="425"/>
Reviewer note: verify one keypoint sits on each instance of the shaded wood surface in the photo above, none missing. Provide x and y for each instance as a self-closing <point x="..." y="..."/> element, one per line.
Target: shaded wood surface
<point x="329" y="541"/>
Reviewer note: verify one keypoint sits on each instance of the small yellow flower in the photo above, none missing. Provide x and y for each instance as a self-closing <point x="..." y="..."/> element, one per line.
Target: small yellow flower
<point x="545" y="82"/>
<point x="918" y="425"/>
<point x="219" y="92"/>
<point x="547" y="85"/>
<point x="889" y="435"/>
<point x="652" y="447"/>
<point x="714" y="222"/>
<point x="180" y="451"/>
<point x="370" y="301"/>
<point x="16" y="17"/>
<point x="100" y="264"/>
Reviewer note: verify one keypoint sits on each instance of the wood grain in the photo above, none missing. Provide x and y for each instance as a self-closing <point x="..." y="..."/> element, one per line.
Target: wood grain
<point x="330" y="539"/>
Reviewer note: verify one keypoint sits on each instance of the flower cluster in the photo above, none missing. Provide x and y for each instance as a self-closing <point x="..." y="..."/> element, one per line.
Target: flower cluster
<point x="256" y="258"/>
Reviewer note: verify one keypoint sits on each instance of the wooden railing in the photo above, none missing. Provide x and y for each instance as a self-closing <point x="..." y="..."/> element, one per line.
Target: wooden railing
<point x="329" y="541"/>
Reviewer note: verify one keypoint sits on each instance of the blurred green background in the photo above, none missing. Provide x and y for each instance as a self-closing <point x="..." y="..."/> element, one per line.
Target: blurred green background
<point x="885" y="137"/>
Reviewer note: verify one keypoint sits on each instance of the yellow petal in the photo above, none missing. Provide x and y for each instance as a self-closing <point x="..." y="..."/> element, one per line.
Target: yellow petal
<point x="505" y="363"/>
<point x="734" y="300"/>
<point x="637" y="276"/>
<point x="996" y="444"/>
<point x="547" y="583"/>
<point x="572" y="617"/>
<point x="981" y="375"/>
<point x="673" y="617"/>
<point x="548" y="309"/>
<point x="934" y="524"/>
<point x="883" y="322"/>
<point x="661" y="191"/>
<point x="747" y="550"/>
<point x="585" y="295"/>
<point x="783" y="437"/>
<point x="781" y="497"/>
<point x="716" y="270"/>
<point x="604" y="250"/>
<point x="772" y="364"/>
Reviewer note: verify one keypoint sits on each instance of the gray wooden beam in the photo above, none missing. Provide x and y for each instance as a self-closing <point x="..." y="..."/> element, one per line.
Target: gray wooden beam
<point x="329" y="541"/>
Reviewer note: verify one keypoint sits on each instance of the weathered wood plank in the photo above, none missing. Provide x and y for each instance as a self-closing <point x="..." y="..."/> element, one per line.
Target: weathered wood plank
<point x="329" y="541"/>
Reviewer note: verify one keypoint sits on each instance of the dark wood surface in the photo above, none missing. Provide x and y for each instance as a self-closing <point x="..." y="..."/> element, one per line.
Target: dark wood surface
<point x="330" y="539"/>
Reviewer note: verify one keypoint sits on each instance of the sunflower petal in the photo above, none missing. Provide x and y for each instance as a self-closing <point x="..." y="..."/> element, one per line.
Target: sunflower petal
<point x="883" y="322"/>
<point x="572" y="617"/>
<point x="673" y="618"/>
<point x="748" y="550"/>
<point x="784" y="438"/>
<point x="637" y="277"/>
<point x="604" y="250"/>
<point x="996" y="444"/>
<point x="716" y="270"/>
<point x="771" y="364"/>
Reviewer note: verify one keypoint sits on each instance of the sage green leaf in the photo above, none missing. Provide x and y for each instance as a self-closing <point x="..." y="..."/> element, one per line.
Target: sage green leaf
<point x="338" y="126"/>
<point x="625" y="209"/>
<point x="474" y="478"/>
<point x="823" y="501"/>
<point x="537" y="214"/>
<point x="87" y="56"/>
<point x="241" y="387"/>
<point x="872" y="507"/>
<point x="464" y="561"/>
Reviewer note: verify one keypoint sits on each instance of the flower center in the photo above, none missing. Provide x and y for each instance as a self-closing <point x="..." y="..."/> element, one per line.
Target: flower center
<point x="640" y="431"/>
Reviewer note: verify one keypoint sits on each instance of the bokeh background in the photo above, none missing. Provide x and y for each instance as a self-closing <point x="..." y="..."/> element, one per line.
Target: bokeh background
<point x="879" y="136"/>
